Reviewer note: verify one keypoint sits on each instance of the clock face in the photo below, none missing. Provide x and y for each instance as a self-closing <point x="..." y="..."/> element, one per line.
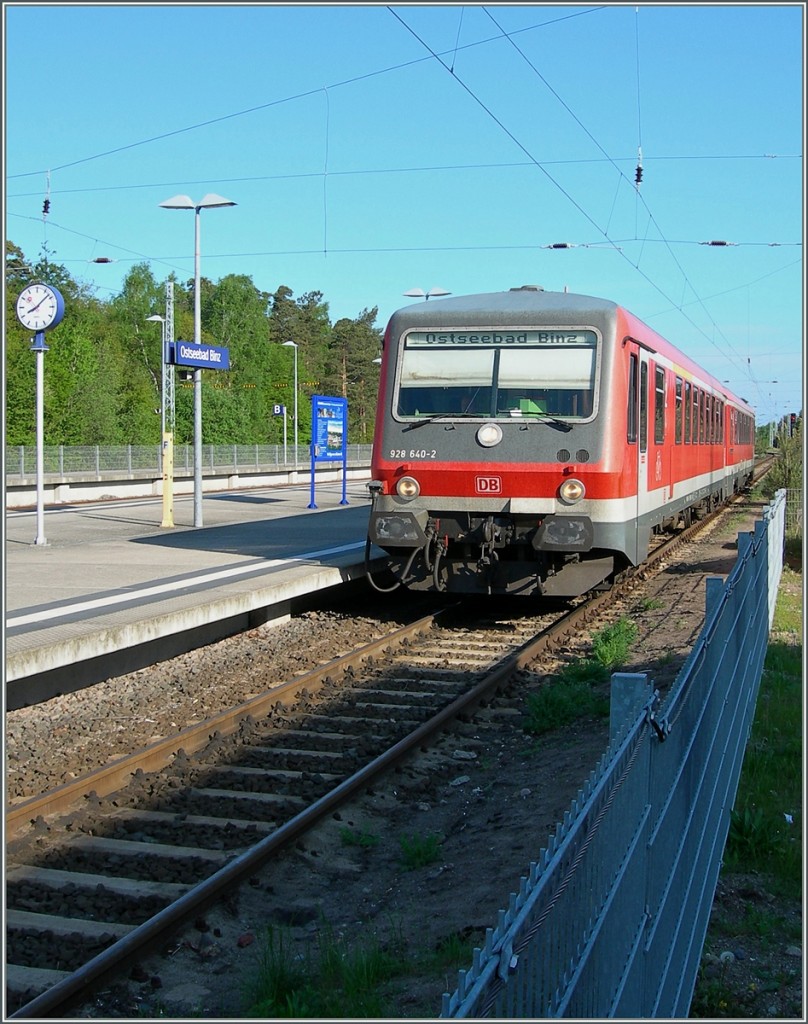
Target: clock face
<point x="39" y="307"/>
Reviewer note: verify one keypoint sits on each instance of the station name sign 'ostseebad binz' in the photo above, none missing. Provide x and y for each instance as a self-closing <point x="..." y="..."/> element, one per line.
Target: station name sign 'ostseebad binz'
<point x="207" y="357"/>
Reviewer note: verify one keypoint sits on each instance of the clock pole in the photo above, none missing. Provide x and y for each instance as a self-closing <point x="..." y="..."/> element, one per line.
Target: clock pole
<point x="40" y="307"/>
<point x="40" y="348"/>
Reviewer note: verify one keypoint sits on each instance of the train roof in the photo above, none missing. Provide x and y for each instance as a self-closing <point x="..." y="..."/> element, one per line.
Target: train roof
<point x="515" y="303"/>
<point x="511" y="307"/>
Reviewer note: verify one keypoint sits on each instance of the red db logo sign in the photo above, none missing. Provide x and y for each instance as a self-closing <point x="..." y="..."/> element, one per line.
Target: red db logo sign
<point x="488" y="485"/>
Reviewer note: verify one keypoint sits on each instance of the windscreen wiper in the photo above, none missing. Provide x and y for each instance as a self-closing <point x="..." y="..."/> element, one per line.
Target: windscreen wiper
<point x="553" y="421"/>
<point x="429" y="419"/>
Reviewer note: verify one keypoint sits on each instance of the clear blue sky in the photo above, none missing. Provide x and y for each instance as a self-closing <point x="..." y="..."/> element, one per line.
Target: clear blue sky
<point x="372" y="150"/>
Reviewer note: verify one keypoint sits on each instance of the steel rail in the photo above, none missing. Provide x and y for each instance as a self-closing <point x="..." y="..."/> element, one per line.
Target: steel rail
<point x="157" y="755"/>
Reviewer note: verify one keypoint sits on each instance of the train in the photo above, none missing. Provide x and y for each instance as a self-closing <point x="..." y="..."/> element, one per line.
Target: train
<point x="532" y="442"/>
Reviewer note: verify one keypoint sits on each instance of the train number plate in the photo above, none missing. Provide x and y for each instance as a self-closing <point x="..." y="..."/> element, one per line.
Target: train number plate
<point x="488" y="484"/>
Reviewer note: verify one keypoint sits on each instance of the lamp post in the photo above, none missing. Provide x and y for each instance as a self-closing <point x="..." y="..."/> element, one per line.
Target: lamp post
<point x="210" y="201"/>
<point x="293" y="344"/>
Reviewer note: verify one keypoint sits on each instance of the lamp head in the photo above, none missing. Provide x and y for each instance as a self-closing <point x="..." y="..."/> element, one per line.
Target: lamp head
<point x="179" y="203"/>
<point x="213" y="200"/>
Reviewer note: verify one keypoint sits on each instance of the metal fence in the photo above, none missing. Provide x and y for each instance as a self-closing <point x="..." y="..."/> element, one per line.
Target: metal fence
<point x="794" y="509"/>
<point x="611" y="919"/>
<point x="63" y="460"/>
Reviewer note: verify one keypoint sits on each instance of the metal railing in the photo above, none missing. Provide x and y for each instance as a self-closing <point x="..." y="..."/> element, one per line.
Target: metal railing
<point x="64" y="460"/>
<point x="612" y="917"/>
<point x="794" y="512"/>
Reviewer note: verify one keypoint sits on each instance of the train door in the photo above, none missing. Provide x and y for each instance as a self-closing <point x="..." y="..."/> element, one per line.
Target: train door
<point x="638" y="442"/>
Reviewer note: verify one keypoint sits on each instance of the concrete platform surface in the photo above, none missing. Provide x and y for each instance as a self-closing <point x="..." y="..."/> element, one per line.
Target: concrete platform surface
<point x="110" y="577"/>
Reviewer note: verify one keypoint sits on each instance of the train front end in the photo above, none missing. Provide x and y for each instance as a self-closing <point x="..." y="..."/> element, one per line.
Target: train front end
<point x="491" y="470"/>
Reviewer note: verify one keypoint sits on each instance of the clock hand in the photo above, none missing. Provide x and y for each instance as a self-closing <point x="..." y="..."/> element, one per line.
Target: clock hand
<point x="31" y="310"/>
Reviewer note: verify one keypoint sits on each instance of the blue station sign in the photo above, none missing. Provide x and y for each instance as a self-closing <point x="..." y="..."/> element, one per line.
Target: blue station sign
<point x="329" y="437"/>
<point x="329" y="433"/>
<point x="207" y="357"/>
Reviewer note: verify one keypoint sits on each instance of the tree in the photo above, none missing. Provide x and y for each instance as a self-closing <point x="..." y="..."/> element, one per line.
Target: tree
<point x="104" y="366"/>
<point x="140" y="343"/>
<point x="352" y="373"/>
<point x="304" y="321"/>
<point x="78" y="403"/>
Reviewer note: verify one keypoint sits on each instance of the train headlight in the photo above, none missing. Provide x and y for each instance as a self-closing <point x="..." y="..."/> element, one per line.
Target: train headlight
<point x="489" y="434"/>
<point x="571" y="491"/>
<point x="408" y="487"/>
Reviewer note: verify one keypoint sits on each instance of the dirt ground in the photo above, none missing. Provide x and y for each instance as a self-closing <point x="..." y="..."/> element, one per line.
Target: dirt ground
<point x="491" y="793"/>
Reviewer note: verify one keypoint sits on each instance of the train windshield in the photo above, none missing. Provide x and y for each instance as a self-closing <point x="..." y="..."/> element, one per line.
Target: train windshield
<point x="498" y="374"/>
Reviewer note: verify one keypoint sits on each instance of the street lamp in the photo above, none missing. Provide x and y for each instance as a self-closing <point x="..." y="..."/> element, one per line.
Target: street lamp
<point x="293" y="344"/>
<point x="419" y="293"/>
<point x="209" y="202"/>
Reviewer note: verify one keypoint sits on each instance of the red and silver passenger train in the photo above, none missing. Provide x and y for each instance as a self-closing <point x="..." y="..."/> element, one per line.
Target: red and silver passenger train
<point x="531" y="442"/>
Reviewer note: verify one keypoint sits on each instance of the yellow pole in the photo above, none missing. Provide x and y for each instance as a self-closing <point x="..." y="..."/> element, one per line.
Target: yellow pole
<point x="168" y="479"/>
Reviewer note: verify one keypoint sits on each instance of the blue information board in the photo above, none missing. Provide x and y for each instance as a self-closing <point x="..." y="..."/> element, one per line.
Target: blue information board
<point x="329" y="436"/>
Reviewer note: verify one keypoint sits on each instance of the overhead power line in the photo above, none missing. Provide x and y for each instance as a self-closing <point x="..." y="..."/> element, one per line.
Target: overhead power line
<point x="290" y="99"/>
<point x="541" y="166"/>
<point x="412" y="169"/>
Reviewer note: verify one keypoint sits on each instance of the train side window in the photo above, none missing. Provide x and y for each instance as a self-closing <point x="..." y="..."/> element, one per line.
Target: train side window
<point x="702" y="398"/>
<point x="679" y="409"/>
<point x="644" y="407"/>
<point x="688" y="409"/>
<point x="708" y="420"/>
<point x="631" y="416"/>
<point x="659" y="406"/>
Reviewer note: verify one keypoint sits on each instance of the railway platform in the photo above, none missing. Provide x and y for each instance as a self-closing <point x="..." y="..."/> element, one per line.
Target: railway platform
<point x="111" y="590"/>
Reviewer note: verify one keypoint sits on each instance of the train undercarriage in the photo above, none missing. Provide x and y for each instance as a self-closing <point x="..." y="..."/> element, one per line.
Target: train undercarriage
<point x="558" y="556"/>
<point x="492" y="554"/>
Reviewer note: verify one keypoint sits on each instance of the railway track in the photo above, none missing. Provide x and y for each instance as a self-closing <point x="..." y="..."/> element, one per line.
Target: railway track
<point x="101" y="870"/>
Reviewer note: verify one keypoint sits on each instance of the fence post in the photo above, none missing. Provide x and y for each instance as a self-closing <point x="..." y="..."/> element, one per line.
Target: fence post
<point x="629" y="692"/>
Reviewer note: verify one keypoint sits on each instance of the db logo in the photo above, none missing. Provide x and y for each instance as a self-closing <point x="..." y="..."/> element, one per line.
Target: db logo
<point x="488" y="485"/>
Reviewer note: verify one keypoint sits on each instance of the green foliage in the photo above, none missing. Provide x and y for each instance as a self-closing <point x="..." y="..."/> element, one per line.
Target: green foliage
<point x="752" y="836"/>
<point x="420" y="851"/>
<point x="574" y="693"/>
<point x="358" y="837"/>
<point x="334" y="980"/>
<point x="103" y="369"/>
<point x="766" y="824"/>
<point x="787" y="470"/>
<point x="611" y="645"/>
<point x="566" y="699"/>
